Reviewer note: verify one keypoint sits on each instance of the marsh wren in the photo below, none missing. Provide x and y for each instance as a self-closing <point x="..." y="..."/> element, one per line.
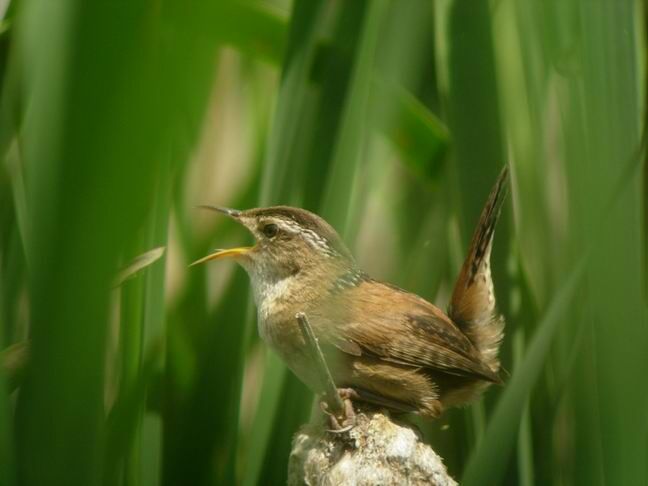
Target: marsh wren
<point x="384" y="346"/>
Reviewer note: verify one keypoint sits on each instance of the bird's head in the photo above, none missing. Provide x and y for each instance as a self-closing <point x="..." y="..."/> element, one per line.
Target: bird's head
<point x="289" y="241"/>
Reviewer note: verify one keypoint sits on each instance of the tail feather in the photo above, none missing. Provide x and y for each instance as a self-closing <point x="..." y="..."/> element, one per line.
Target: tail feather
<point x="472" y="306"/>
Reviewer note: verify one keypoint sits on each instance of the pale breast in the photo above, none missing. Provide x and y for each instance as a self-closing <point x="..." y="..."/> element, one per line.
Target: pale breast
<point x="272" y="305"/>
<point x="285" y="338"/>
<point x="277" y="305"/>
<point x="276" y="315"/>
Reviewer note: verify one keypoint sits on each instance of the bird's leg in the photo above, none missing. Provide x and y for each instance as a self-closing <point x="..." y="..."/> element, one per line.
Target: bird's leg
<point x="347" y="395"/>
<point x="343" y="420"/>
<point x="337" y="423"/>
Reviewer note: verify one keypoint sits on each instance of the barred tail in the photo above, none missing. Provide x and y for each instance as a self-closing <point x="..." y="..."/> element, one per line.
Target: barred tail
<point x="472" y="306"/>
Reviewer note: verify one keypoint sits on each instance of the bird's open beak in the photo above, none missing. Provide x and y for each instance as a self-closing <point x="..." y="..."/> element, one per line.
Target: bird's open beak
<point x="231" y="252"/>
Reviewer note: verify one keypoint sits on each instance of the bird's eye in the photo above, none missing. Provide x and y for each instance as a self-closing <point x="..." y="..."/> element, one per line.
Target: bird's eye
<point x="270" y="230"/>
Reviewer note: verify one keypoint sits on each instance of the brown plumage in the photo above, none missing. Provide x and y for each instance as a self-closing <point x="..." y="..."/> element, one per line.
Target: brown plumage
<point x="393" y="348"/>
<point x="472" y="306"/>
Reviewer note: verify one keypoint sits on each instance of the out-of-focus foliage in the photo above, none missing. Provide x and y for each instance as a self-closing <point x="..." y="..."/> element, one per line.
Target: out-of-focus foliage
<point x="120" y="365"/>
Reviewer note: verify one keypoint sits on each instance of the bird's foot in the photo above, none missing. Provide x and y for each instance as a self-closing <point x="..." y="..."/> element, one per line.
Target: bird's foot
<point x="345" y="420"/>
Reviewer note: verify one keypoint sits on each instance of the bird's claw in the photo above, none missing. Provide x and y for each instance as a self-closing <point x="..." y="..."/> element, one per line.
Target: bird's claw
<point x="346" y="420"/>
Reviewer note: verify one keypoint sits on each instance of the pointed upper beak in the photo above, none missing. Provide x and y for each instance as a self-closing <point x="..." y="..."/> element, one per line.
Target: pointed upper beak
<point x="233" y="213"/>
<point x="231" y="252"/>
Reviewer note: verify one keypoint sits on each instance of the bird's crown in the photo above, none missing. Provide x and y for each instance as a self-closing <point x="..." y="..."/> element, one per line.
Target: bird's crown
<point x="314" y="229"/>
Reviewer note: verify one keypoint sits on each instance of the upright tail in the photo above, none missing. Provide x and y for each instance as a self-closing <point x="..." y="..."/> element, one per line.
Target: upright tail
<point x="472" y="306"/>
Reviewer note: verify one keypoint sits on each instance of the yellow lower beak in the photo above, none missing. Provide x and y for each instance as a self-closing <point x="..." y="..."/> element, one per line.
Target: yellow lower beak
<point x="232" y="252"/>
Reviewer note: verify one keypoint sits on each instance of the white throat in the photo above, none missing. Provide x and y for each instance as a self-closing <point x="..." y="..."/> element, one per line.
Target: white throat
<point x="268" y="294"/>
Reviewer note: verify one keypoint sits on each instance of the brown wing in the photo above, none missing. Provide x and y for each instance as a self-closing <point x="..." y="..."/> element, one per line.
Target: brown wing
<point x="378" y="320"/>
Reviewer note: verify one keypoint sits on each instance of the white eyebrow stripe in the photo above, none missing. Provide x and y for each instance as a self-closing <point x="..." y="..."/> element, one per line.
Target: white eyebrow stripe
<point x="313" y="239"/>
<point x="289" y="225"/>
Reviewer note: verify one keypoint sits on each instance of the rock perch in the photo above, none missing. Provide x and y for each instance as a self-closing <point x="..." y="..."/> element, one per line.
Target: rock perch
<point x="376" y="452"/>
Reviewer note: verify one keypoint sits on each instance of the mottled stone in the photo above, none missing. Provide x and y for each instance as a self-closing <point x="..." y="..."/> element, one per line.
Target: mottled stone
<point x="377" y="451"/>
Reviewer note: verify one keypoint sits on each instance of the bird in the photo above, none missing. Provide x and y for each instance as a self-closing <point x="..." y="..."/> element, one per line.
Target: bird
<point x="384" y="346"/>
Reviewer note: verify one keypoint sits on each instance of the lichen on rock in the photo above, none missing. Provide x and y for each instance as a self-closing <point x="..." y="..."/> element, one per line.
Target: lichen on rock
<point x="377" y="451"/>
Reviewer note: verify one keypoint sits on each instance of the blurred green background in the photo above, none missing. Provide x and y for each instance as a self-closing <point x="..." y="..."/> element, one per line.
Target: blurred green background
<point x="392" y="119"/>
